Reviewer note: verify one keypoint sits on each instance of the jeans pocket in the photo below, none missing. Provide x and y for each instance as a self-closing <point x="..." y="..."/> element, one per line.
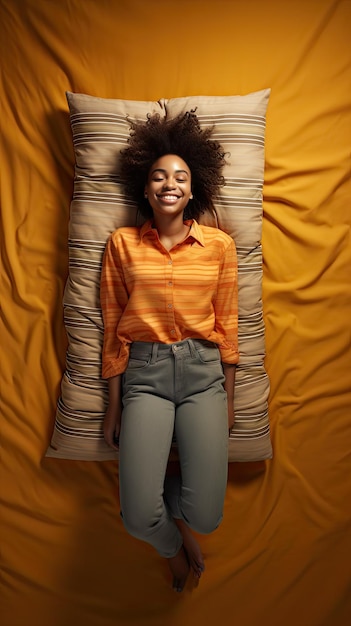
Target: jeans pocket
<point x="209" y="354"/>
<point x="138" y="363"/>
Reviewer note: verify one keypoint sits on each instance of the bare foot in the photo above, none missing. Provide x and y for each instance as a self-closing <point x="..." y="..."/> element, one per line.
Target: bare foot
<point x="192" y="549"/>
<point x="179" y="567"/>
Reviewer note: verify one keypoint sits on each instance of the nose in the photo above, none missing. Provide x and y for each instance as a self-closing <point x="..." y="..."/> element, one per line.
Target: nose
<point x="169" y="183"/>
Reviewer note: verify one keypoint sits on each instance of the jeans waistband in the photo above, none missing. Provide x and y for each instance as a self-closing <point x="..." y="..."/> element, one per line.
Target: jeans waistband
<point x="162" y="350"/>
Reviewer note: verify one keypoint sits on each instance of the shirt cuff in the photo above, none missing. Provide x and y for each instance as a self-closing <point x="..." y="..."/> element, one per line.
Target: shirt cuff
<point x="116" y="366"/>
<point x="229" y="355"/>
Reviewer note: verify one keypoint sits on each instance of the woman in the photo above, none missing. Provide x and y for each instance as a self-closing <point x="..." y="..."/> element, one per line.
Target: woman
<point x="169" y="302"/>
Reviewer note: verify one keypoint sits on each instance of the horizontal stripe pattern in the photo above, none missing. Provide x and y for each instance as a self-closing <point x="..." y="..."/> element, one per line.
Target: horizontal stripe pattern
<point x="148" y="292"/>
<point x="100" y="129"/>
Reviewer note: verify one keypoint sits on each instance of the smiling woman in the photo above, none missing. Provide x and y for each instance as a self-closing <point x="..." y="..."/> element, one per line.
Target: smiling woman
<point x="168" y="190"/>
<point x="169" y="304"/>
<point x="201" y="156"/>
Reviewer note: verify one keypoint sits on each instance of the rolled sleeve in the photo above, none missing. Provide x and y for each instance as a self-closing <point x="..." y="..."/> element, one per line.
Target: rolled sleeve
<point x="115" y="366"/>
<point x="226" y="306"/>
<point x="113" y="298"/>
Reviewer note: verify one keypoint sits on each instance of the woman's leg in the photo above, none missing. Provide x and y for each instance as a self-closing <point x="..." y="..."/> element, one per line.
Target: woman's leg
<point x="190" y="543"/>
<point x="201" y="427"/>
<point x="202" y="435"/>
<point x="145" y="440"/>
<point x="197" y="499"/>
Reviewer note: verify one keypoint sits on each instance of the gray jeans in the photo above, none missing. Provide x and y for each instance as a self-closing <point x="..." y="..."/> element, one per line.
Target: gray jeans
<point x="173" y="389"/>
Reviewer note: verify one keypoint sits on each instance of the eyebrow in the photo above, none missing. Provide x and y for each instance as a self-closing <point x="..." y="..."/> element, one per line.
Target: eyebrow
<point x="159" y="169"/>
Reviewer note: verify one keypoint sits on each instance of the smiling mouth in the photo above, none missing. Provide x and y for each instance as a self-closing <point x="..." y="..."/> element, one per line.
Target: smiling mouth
<point x="168" y="197"/>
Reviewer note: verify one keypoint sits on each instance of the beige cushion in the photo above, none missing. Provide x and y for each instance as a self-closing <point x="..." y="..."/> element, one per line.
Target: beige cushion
<point x="100" y="129"/>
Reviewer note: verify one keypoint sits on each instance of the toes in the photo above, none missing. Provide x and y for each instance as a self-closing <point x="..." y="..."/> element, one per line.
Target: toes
<point x="179" y="567"/>
<point x="178" y="586"/>
<point x="197" y="566"/>
<point x="198" y="570"/>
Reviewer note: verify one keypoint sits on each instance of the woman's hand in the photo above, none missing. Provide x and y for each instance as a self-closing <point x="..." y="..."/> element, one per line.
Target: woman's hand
<point x="231" y="418"/>
<point x="112" y="420"/>
<point x="112" y="425"/>
<point x="229" y="374"/>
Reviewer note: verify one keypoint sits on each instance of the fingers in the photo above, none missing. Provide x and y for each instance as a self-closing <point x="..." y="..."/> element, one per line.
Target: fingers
<point x="178" y="585"/>
<point x="113" y="444"/>
<point x="112" y="438"/>
<point x="112" y="426"/>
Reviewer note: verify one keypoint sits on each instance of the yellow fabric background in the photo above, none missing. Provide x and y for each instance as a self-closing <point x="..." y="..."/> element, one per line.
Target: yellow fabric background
<point x="282" y="554"/>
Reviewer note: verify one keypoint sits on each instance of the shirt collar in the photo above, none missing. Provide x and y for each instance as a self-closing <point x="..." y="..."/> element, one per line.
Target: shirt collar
<point x="195" y="231"/>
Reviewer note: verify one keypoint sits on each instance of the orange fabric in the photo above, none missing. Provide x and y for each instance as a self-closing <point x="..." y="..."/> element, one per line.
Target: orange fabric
<point x="282" y="553"/>
<point x="150" y="294"/>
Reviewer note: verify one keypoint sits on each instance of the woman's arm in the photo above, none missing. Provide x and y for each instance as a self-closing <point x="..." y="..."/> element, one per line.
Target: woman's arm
<point x="229" y="383"/>
<point x="112" y="420"/>
<point x="113" y="300"/>
<point x="226" y="305"/>
<point x="227" y="323"/>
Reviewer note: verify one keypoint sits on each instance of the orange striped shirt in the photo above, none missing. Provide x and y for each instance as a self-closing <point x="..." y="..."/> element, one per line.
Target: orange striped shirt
<point x="151" y="294"/>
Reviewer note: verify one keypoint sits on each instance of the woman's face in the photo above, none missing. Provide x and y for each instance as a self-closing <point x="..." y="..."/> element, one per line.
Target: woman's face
<point x="168" y="186"/>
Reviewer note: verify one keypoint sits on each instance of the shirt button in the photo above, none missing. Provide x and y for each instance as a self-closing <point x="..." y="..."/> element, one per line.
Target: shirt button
<point x="170" y="283"/>
<point x="172" y="331"/>
<point x="169" y="306"/>
<point x="169" y="262"/>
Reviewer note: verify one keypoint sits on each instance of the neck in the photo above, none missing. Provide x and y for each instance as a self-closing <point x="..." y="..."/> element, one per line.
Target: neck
<point x="169" y="226"/>
<point x="171" y="231"/>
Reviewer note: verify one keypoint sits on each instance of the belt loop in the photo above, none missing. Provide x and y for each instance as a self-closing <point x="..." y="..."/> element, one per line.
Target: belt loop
<point x="192" y="348"/>
<point x="154" y="352"/>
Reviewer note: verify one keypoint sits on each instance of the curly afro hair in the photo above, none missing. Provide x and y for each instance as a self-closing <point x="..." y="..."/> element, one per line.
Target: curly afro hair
<point x="183" y="137"/>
